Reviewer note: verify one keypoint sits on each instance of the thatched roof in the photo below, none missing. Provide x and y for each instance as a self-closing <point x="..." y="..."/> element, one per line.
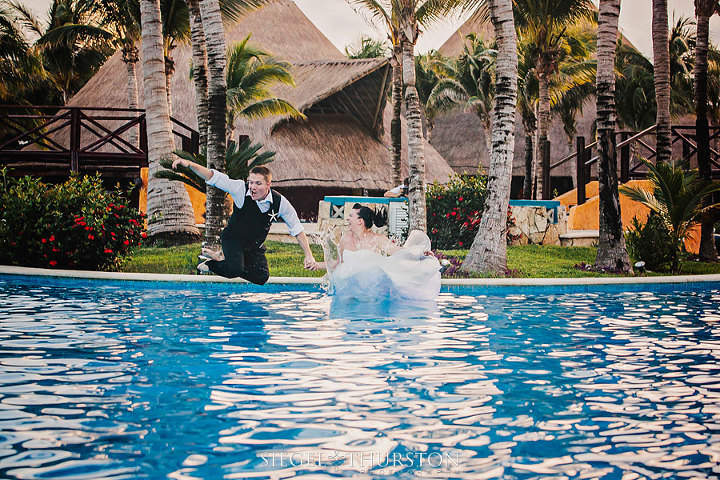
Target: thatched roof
<point x="343" y="142"/>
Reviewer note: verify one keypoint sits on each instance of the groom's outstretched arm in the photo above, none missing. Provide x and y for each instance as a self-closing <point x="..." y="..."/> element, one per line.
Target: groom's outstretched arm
<point x="199" y="169"/>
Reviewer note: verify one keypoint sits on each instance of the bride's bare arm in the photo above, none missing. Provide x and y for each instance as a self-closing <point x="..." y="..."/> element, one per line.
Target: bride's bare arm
<point x="389" y="247"/>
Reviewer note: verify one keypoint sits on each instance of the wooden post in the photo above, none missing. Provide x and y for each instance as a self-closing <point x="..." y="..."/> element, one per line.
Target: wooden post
<point x="624" y="159"/>
<point x="74" y="139"/>
<point x="545" y="152"/>
<point x="580" y="159"/>
<point x="195" y="142"/>
<point x="186" y="144"/>
<point x="143" y="137"/>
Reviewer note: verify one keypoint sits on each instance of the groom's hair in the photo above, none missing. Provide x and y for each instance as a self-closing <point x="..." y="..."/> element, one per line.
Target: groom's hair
<point x="264" y="171"/>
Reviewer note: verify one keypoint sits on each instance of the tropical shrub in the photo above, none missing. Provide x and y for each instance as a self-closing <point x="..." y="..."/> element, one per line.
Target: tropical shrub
<point x="678" y="198"/>
<point x="77" y="224"/>
<point x="653" y="244"/>
<point x="454" y="211"/>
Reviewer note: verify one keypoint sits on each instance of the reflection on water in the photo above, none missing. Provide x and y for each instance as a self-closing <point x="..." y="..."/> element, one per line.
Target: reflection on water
<point x="238" y="382"/>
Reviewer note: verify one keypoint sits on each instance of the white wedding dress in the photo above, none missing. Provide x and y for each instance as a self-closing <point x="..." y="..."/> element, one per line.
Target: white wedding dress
<point x="407" y="274"/>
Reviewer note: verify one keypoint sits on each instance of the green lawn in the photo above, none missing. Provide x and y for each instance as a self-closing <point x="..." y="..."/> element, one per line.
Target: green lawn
<point x="285" y="260"/>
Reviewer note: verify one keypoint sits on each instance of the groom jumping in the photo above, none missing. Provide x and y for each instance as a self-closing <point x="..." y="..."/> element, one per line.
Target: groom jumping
<point x="255" y="207"/>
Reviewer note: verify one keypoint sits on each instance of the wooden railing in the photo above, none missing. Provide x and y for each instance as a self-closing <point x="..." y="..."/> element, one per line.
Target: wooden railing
<point x="54" y="141"/>
<point x="630" y="146"/>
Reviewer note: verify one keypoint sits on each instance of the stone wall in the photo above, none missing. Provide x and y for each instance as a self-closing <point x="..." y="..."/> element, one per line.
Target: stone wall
<point x="538" y="225"/>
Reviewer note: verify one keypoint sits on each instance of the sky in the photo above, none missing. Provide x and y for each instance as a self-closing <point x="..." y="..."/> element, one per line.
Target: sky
<point x="343" y="24"/>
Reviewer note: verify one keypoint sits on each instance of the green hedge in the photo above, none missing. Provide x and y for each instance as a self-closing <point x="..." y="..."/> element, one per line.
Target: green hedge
<point x="77" y="224"/>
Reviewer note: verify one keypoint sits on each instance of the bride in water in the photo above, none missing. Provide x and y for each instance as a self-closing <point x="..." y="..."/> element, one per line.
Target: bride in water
<point x="364" y="264"/>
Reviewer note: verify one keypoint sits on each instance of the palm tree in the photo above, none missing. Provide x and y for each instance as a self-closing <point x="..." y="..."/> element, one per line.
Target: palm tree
<point x="217" y="114"/>
<point x="70" y="56"/>
<point x="469" y="81"/>
<point x="574" y="82"/>
<point x="635" y="89"/>
<point x="176" y="28"/>
<point x="386" y="12"/>
<point x="426" y="79"/>
<point x="682" y="56"/>
<point x="121" y="20"/>
<point x="488" y="252"/>
<point x="612" y="252"/>
<point x="251" y="73"/>
<point x="170" y="214"/>
<point x="543" y="24"/>
<point x="368" y="48"/>
<point x="23" y="80"/>
<point x="199" y="69"/>
<point x="703" y="11"/>
<point x="679" y="197"/>
<point x="526" y="105"/>
<point x="661" y="60"/>
<point x="403" y="19"/>
<point x="231" y="10"/>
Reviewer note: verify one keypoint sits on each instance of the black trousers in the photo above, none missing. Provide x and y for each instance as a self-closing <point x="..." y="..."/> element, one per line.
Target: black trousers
<point x="249" y="263"/>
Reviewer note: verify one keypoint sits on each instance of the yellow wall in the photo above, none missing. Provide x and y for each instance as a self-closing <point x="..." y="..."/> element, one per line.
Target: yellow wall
<point x="196" y="198"/>
<point x="586" y="216"/>
<point x="569" y="199"/>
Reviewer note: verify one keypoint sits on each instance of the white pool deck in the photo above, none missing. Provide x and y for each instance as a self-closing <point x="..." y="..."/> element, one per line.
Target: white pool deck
<point x="507" y="282"/>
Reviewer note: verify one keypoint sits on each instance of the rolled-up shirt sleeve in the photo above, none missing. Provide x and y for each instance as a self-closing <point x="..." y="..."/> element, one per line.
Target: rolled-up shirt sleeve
<point x="236" y="188"/>
<point x="290" y="217"/>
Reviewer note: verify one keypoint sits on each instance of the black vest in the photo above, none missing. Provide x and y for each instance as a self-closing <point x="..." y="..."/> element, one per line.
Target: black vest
<point x="249" y="225"/>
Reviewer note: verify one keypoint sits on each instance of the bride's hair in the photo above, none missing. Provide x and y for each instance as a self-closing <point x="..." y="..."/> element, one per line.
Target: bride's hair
<point x="369" y="216"/>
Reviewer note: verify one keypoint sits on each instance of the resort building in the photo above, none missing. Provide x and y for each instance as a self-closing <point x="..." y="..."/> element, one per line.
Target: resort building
<point x="343" y="145"/>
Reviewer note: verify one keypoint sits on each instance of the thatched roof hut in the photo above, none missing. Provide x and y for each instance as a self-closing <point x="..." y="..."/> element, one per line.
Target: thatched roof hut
<point x="341" y="147"/>
<point x="460" y="138"/>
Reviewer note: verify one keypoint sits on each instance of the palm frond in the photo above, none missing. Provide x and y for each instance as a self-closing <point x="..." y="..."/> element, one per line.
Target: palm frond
<point x="270" y="107"/>
<point x="70" y="32"/>
<point x="26" y="16"/>
<point x="232" y="10"/>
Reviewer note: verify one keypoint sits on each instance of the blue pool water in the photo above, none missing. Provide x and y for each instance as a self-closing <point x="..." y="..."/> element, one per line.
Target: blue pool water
<point x="133" y="380"/>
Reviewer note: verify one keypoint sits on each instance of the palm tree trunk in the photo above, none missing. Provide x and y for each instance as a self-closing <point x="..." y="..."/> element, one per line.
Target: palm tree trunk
<point x="130" y="57"/>
<point x="661" y="60"/>
<point x="489" y="249"/>
<point x="199" y="59"/>
<point x="217" y="109"/>
<point x="527" y="182"/>
<point x="703" y="10"/>
<point x="170" y="213"/>
<point x="395" y="123"/>
<point x="611" y="252"/>
<point x="487" y="130"/>
<point x="169" y="71"/>
<point x="544" y="73"/>
<point x="417" y="211"/>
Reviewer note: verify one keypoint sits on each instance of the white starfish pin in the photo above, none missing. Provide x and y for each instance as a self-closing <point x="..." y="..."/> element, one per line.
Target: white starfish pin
<point x="274" y="216"/>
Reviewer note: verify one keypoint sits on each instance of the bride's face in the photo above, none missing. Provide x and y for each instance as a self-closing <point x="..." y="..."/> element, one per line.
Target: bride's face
<point x="354" y="220"/>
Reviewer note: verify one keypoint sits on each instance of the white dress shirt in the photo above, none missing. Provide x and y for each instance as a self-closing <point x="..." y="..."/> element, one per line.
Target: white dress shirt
<point x="238" y="190"/>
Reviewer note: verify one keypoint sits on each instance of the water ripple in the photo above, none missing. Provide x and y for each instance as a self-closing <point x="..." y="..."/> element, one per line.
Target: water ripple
<point x="107" y="381"/>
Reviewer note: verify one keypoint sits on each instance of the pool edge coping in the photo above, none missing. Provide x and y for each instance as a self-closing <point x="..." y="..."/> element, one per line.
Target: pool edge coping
<point x="489" y="282"/>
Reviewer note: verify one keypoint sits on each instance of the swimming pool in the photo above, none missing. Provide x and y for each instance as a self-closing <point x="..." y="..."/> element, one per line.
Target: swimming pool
<point x="150" y="380"/>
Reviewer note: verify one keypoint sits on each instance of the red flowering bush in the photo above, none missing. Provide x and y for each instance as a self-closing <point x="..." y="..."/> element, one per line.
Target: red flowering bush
<point x="454" y="211"/>
<point x="77" y="224"/>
